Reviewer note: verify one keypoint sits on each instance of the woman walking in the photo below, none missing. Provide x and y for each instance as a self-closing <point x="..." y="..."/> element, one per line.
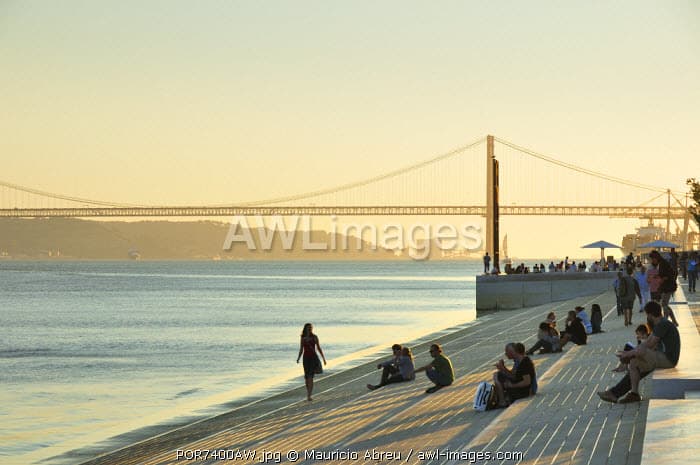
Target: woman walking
<point x="312" y="365"/>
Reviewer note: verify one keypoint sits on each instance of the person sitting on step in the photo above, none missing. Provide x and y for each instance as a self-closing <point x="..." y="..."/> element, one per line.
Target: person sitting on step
<point x="405" y="373"/>
<point x="518" y="382"/>
<point x="661" y="349"/>
<point x="596" y="319"/>
<point x="585" y="319"/>
<point x="439" y="370"/>
<point x="642" y="332"/>
<point x="547" y="340"/>
<point x="574" y="332"/>
<point x="389" y="367"/>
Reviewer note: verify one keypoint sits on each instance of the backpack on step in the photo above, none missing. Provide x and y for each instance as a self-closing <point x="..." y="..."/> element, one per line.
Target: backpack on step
<point x="485" y="397"/>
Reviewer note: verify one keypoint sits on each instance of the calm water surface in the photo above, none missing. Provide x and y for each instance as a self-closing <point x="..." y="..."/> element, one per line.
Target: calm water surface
<point x="89" y="350"/>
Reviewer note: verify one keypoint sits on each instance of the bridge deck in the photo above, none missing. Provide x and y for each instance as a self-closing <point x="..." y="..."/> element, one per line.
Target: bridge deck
<point x="564" y="423"/>
<point x="443" y="210"/>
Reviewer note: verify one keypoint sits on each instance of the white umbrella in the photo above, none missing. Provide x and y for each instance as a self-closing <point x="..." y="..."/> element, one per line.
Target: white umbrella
<point x="659" y="244"/>
<point x="602" y="245"/>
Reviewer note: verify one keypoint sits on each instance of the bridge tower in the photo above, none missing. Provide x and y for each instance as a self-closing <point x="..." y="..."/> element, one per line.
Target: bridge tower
<point x="492" y="244"/>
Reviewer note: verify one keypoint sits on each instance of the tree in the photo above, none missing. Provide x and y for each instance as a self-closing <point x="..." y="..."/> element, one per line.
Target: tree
<point x="695" y="194"/>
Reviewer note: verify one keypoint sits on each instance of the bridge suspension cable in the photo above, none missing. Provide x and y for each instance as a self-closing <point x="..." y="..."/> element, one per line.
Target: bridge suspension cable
<point x="353" y="185"/>
<point x="52" y="195"/>
<point x="429" y="183"/>
<point x="580" y="169"/>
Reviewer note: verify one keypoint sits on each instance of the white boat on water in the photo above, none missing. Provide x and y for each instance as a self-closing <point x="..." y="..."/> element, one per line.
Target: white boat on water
<point x="506" y="260"/>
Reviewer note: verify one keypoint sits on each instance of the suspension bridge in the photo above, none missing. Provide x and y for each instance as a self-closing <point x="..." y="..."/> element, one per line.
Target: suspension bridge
<point x="453" y="183"/>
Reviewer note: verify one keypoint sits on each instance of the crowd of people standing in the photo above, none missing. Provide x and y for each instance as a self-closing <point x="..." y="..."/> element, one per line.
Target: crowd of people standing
<point x="655" y="281"/>
<point x="684" y="265"/>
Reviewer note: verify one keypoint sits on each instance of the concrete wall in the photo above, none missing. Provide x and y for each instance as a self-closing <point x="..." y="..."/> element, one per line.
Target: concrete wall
<point x="527" y="290"/>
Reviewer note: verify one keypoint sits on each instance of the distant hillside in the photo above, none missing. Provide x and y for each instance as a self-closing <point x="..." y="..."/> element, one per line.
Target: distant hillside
<point x="154" y="240"/>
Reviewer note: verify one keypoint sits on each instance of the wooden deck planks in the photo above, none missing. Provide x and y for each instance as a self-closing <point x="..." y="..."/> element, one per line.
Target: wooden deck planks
<point x="564" y="423"/>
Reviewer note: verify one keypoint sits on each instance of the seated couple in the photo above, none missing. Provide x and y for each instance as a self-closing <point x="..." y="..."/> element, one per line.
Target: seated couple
<point x="547" y="340"/>
<point x="592" y="324"/>
<point x="661" y="349"/>
<point x="578" y="327"/>
<point x="515" y="383"/>
<point x="396" y="370"/>
<point x="400" y="368"/>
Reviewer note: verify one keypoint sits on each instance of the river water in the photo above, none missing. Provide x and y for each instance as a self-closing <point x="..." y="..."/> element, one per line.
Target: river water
<point x="89" y="350"/>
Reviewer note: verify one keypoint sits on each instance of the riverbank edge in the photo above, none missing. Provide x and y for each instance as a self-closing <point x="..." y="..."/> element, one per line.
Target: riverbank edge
<point x="159" y="438"/>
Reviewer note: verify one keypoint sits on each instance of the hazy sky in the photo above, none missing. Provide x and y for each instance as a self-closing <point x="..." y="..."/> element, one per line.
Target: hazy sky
<point x="173" y="102"/>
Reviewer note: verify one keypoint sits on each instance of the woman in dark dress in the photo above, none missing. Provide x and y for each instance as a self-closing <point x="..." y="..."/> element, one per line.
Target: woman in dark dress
<point x="308" y="346"/>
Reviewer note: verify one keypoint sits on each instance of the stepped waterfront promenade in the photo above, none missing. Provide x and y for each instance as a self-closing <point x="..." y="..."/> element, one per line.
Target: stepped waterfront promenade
<point x="565" y="422"/>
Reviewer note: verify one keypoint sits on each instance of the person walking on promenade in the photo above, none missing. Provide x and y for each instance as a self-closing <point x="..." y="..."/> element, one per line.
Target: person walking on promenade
<point x="487" y="263"/>
<point x="668" y="285"/>
<point x="439" y="371"/>
<point x="683" y="265"/>
<point x="654" y="282"/>
<point x="661" y="349"/>
<point x="692" y="271"/>
<point x="517" y="383"/>
<point x="640" y="275"/>
<point x="616" y="286"/>
<point x="312" y="365"/>
<point x="673" y="260"/>
<point x="628" y="289"/>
